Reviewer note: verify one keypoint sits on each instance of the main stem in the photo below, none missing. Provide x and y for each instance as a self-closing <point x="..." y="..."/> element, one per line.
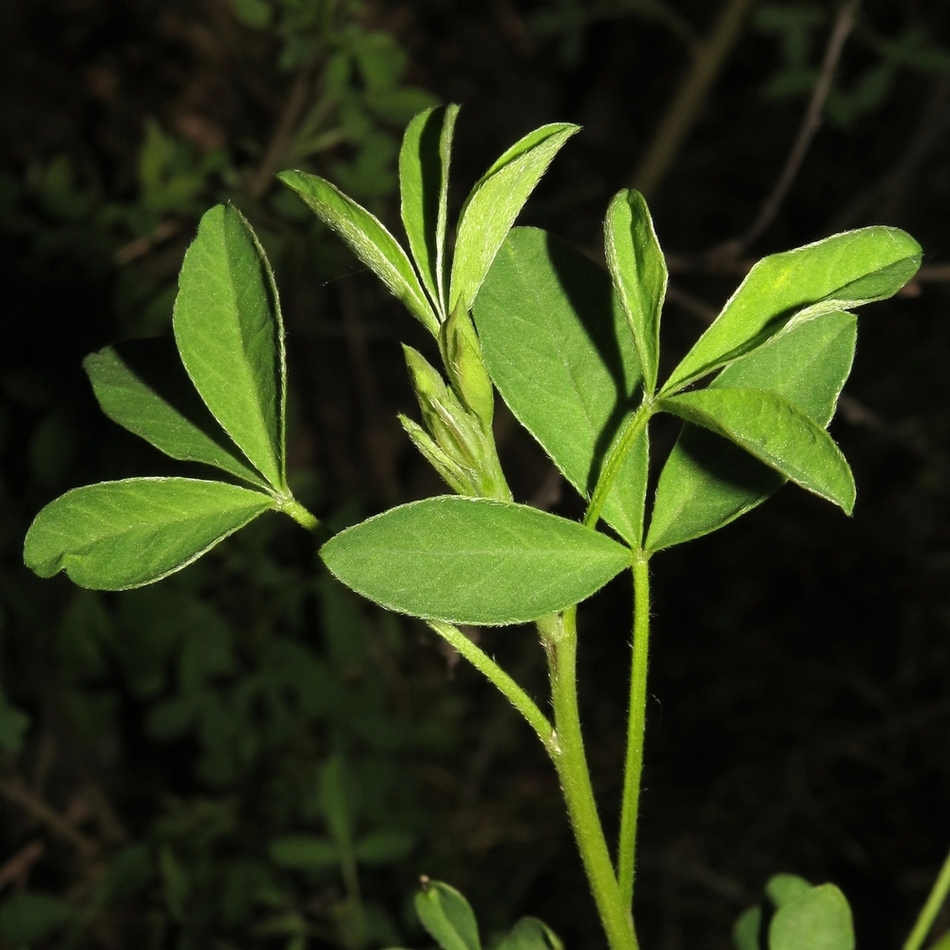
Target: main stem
<point x="571" y="764"/>
<point x="636" y="725"/>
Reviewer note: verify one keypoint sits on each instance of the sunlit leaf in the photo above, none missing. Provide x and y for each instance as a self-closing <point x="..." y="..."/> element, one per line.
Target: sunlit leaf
<point x="639" y="273"/>
<point x="819" y="919"/>
<point x="558" y="347"/>
<point x="118" y="535"/>
<point x="143" y="386"/>
<point x="230" y="335"/>
<point x="838" y="273"/>
<point x="472" y="560"/>
<point x="448" y="917"/>
<point x="423" y="190"/>
<point x="769" y="427"/>
<point x="494" y="203"/>
<point x="367" y="238"/>
<point x="708" y="481"/>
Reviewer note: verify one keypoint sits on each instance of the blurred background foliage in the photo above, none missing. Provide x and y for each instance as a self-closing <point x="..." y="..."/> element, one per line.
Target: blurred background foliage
<point x="247" y="756"/>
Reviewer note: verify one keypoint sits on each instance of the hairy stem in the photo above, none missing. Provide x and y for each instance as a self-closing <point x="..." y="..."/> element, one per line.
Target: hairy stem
<point x="505" y="684"/>
<point x="572" y="769"/>
<point x="636" y="726"/>
<point x="930" y="910"/>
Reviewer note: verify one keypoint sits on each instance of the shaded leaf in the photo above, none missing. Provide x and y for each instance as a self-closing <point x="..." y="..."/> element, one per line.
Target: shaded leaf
<point x="745" y="933"/>
<point x="473" y="560"/>
<point x="142" y="385"/>
<point x="230" y="335"/>
<point x="837" y="273"/>
<point x="557" y="346"/>
<point x="707" y="481"/>
<point x="118" y="535"/>
<point x="334" y="800"/>
<point x="304" y="852"/>
<point x="531" y="934"/>
<point x="769" y="427"/>
<point x="367" y="238"/>
<point x="423" y="190"/>
<point x="383" y="847"/>
<point x="819" y="919"/>
<point x="494" y="203"/>
<point x="639" y="273"/>
<point x="448" y="917"/>
<point x="32" y="916"/>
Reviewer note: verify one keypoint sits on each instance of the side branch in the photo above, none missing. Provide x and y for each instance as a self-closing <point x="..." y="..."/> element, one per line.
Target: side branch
<point x="497" y="676"/>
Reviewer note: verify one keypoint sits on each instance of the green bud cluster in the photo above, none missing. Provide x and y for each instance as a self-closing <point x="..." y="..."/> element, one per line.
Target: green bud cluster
<point x="455" y="437"/>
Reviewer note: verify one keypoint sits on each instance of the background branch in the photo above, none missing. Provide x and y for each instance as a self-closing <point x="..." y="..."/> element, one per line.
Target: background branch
<point x="683" y="110"/>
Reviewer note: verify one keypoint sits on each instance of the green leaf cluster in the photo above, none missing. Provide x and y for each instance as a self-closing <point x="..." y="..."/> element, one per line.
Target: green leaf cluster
<point x="802" y="917"/>
<point x="450" y="921"/>
<point x="223" y="405"/>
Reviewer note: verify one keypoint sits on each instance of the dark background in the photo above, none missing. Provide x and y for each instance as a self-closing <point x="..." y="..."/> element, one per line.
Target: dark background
<point x="800" y="705"/>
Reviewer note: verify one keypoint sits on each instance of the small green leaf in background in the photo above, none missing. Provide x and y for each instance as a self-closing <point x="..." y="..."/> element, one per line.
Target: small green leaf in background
<point x="383" y="847"/>
<point x="367" y="238"/>
<point x="819" y="919"/>
<point x="837" y="273"/>
<point x="304" y="852"/>
<point x="706" y="481"/>
<point x="335" y="801"/>
<point x="13" y="726"/>
<point x="142" y="385"/>
<point x="531" y="934"/>
<point x="745" y="933"/>
<point x="558" y="347"/>
<point x="177" y="886"/>
<point x="782" y="888"/>
<point x="494" y="203"/>
<point x="639" y="273"/>
<point x="423" y="189"/>
<point x="230" y="335"/>
<point x="119" y="535"/>
<point x="473" y="560"/>
<point x="31" y="916"/>
<point x="448" y="917"/>
<point x="772" y="429"/>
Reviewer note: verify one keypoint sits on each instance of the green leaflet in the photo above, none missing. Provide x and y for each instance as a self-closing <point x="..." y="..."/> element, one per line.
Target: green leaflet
<point x="143" y="386"/>
<point x="772" y="429"/>
<point x="423" y="190"/>
<point x="32" y="916"/>
<point x="367" y="238"/>
<point x="473" y="560"/>
<point x="230" y="335"/>
<point x="639" y="273"/>
<point x="448" y="917"/>
<point x="558" y="347"/>
<point x="304" y="852"/>
<point x="745" y="933"/>
<point x="118" y="535"/>
<point x="837" y="273"/>
<point x="383" y="847"/>
<point x="531" y="934"/>
<point x="707" y="481"/>
<point x="818" y="919"/>
<point x="494" y="203"/>
<point x="783" y="888"/>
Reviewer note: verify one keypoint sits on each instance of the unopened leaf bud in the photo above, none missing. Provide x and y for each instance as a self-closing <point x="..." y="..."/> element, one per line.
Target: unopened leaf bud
<point x="462" y="353"/>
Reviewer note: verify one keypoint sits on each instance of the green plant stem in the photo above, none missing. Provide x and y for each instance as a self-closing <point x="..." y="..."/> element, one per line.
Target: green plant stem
<point x="496" y="675"/>
<point x="636" y="726"/>
<point x="615" y="457"/>
<point x="930" y="910"/>
<point x="292" y="507"/>
<point x="571" y="763"/>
